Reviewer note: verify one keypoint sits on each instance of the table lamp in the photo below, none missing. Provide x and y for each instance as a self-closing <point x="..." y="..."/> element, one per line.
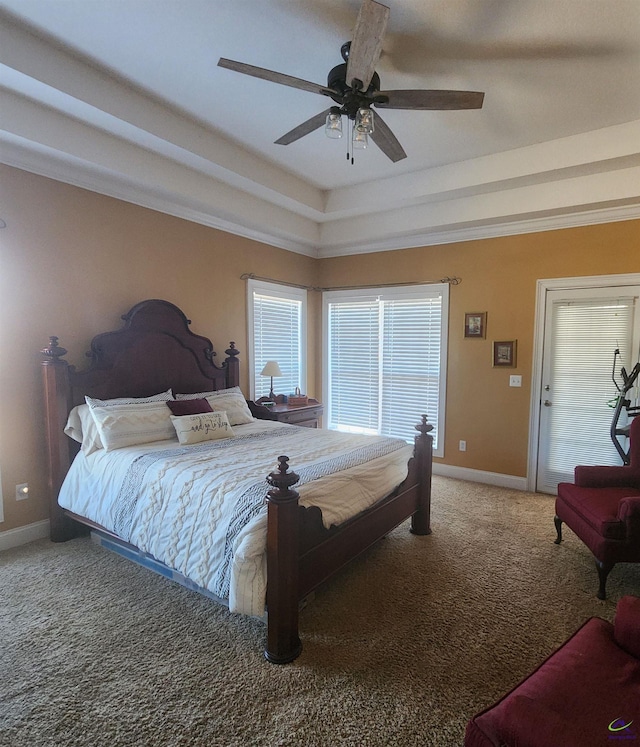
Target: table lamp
<point x="271" y="369"/>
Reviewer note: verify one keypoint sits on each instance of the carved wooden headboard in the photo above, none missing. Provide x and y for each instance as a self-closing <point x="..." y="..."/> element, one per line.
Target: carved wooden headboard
<point x="154" y="351"/>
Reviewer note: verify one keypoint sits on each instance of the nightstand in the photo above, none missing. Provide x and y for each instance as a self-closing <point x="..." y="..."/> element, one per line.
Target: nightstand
<point x="307" y="415"/>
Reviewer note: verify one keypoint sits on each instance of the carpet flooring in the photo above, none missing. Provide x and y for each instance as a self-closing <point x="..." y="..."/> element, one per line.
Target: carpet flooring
<point x="402" y="648"/>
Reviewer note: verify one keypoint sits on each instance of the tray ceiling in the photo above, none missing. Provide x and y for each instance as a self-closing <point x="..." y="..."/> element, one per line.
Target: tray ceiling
<point x="126" y="98"/>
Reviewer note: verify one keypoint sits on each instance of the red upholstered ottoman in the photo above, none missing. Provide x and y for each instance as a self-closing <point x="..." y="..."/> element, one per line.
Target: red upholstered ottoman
<point x="587" y="693"/>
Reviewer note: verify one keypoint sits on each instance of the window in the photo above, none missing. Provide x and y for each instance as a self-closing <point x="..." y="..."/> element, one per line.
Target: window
<point x="385" y="360"/>
<point x="277" y="325"/>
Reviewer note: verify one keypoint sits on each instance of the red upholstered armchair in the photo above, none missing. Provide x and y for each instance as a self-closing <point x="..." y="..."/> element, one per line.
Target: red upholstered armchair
<point x="602" y="507"/>
<point x="586" y="693"/>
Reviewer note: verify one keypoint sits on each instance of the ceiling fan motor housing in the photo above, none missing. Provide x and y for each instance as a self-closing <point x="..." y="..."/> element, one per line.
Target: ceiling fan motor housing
<point x="352" y="99"/>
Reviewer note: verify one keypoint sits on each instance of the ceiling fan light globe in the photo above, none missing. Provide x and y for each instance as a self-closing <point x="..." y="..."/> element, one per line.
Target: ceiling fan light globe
<point x="360" y="140"/>
<point x="365" y="120"/>
<point x="333" y="126"/>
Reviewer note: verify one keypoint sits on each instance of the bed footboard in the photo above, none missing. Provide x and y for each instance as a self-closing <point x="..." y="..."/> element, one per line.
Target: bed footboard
<point x="302" y="553"/>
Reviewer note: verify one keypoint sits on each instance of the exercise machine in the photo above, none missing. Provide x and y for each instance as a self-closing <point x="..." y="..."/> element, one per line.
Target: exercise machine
<point x="623" y="404"/>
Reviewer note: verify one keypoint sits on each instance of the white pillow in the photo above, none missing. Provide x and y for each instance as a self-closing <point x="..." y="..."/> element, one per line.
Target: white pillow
<point x="73" y="428"/>
<point x="205" y="426"/>
<point x="131" y="424"/>
<point x="231" y="401"/>
<point x="215" y="393"/>
<point x="87" y="429"/>
<point x="81" y="427"/>
<point x="161" y="397"/>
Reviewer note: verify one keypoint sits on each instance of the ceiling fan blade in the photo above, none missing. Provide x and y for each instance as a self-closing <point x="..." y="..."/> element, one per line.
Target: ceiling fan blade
<point x="285" y="80"/>
<point x="304" y="129"/>
<point x="421" y="99"/>
<point x="386" y="140"/>
<point x="366" y="45"/>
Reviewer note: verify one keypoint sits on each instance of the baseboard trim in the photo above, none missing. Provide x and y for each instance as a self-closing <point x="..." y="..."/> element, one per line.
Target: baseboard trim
<point x="22" y="535"/>
<point x="476" y="475"/>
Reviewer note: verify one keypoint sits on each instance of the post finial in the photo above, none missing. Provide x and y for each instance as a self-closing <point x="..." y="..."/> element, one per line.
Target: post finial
<point x="232" y="350"/>
<point x="53" y="351"/>
<point x="282" y="480"/>
<point x="423" y="426"/>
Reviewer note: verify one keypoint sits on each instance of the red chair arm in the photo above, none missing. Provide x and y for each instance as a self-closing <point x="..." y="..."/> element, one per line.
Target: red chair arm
<point x="629" y="512"/>
<point x="626" y="626"/>
<point x="607" y="477"/>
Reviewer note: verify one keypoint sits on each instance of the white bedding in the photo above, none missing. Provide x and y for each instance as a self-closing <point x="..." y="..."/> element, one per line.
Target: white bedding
<point x="200" y="509"/>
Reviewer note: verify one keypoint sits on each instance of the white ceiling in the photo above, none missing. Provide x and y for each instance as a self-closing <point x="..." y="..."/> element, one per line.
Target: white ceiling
<point x="125" y="97"/>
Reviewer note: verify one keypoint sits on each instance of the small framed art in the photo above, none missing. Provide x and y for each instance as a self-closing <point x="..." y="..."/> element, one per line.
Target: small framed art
<point x="475" y="324"/>
<point x="504" y="353"/>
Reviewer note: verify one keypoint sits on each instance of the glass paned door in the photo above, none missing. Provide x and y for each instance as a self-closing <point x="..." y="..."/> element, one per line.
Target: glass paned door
<point x="583" y="329"/>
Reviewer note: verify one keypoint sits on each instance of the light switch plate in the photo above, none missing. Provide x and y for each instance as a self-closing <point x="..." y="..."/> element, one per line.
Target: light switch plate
<point x="515" y="380"/>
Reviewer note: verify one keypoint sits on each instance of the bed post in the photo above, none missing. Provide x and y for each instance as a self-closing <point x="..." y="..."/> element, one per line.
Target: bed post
<point x="283" y="640"/>
<point x="233" y="366"/>
<point x="423" y="453"/>
<point x="55" y="375"/>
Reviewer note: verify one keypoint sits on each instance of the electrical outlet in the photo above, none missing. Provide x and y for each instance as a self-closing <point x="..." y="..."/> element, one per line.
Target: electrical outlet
<point x="462" y="445"/>
<point x="22" y="491"/>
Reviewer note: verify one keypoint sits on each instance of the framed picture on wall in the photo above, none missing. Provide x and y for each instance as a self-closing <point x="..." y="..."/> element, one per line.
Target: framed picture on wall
<point x="504" y="353"/>
<point x="475" y="324"/>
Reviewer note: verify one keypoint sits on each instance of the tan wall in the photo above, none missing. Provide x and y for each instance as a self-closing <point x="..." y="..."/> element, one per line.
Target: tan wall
<point x="71" y="262"/>
<point x="498" y="276"/>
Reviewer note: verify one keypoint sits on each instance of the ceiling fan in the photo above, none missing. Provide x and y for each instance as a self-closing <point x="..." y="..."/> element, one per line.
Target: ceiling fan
<point x="355" y="87"/>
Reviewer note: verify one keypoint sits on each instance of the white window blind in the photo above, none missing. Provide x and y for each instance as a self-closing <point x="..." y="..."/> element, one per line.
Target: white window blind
<point x="385" y="360"/>
<point x="585" y="335"/>
<point x="354" y="371"/>
<point x="277" y="320"/>
<point x="410" y="363"/>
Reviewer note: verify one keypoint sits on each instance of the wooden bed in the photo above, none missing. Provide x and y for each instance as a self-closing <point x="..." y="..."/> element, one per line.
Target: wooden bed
<point x="154" y="351"/>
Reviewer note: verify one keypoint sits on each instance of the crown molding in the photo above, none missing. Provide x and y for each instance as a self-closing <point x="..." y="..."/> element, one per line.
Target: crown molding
<point x="76" y="173"/>
<point x="159" y="183"/>
<point x="44" y="162"/>
<point x="490" y="231"/>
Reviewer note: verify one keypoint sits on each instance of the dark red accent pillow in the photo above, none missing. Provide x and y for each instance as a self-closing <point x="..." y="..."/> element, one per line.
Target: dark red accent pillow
<point x="189" y="406"/>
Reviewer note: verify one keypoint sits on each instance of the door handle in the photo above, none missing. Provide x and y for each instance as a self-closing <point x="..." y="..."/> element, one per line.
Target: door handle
<point x="546" y="403"/>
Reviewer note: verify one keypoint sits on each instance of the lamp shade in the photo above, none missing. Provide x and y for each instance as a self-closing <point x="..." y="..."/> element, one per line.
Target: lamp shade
<point x="271" y="368"/>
